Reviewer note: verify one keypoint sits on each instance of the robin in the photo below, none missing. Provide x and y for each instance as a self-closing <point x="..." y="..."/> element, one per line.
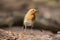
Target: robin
<point x="29" y="19"/>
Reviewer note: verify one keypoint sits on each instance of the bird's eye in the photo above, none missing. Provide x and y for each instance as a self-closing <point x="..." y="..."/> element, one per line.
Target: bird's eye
<point x="33" y="10"/>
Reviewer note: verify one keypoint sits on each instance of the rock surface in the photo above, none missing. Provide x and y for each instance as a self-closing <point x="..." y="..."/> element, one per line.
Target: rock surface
<point x="45" y="35"/>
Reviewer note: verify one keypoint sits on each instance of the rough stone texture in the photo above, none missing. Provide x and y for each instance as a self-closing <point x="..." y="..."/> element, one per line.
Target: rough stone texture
<point x="45" y="35"/>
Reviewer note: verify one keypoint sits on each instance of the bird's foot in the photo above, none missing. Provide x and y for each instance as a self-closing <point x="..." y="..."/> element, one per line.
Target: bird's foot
<point x="32" y="31"/>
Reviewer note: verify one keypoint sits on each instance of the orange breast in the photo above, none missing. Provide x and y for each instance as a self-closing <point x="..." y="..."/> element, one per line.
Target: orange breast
<point x="30" y="17"/>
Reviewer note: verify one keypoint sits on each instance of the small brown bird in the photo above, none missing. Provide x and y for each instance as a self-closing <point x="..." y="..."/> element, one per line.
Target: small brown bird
<point x="29" y="19"/>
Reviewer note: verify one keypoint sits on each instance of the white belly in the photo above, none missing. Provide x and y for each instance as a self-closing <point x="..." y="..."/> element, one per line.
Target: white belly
<point x="28" y="22"/>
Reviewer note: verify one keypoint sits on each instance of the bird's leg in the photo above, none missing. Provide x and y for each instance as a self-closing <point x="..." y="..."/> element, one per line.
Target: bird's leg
<point x="31" y="29"/>
<point x="25" y="29"/>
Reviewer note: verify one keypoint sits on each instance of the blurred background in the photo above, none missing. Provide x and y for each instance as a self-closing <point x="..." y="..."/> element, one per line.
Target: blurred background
<point x="12" y="13"/>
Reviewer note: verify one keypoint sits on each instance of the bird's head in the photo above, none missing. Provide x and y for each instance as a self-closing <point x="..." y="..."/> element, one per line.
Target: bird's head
<point x="32" y="11"/>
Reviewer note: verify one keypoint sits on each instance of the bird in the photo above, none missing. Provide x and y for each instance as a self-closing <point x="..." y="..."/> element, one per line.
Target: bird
<point x="29" y="19"/>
